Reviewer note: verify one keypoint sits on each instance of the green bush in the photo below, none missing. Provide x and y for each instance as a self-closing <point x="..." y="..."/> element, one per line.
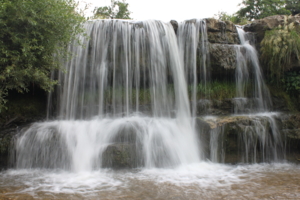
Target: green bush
<point x="32" y="33"/>
<point x="279" y="47"/>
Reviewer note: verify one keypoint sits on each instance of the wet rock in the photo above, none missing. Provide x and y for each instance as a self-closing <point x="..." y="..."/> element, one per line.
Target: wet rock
<point x="214" y="25"/>
<point x="121" y="155"/>
<point x="290" y="127"/>
<point x="175" y="25"/>
<point x="214" y="107"/>
<point x="203" y="133"/>
<point x="244" y="139"/>
<point x="127" y="134"/>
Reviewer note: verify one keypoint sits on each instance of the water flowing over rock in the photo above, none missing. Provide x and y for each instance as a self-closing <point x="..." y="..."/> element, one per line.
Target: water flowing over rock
<point x="121" y="67"/>
<point x="244" y="139"/>
<point x="130" y="99"/>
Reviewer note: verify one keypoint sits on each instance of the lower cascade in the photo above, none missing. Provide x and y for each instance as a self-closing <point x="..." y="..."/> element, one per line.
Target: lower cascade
<point x="133" y="141"/>
<point x="128" y="119"/>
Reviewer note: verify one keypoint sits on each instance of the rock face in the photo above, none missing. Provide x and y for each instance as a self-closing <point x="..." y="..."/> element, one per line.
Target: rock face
<point x="6" y="139"/>
<point x="221" y="32"/>
<point x="215" y="107"/>
<point x="291" y="128"/>
<point x="222" y="36"/>
<point x="259" y="27"/>
<point x="222" y="56"/>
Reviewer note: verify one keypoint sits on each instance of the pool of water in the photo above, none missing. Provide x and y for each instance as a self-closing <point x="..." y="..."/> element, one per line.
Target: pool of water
<point x="197" y="181"/>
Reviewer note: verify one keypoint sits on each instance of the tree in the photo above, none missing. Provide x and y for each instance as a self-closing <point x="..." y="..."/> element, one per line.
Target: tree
<point x="293" y="6"/>
<point x="258" y="9"/>
<point x="32" y="32"/>
<point x="117" y="10"/>
<point x="223" y="16"/>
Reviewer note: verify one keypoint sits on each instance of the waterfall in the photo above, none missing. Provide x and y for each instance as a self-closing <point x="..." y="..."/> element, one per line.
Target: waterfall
<point x="126" y="121"/>
<point x="248" y="74"/>
<point x="126" y="67"/>
<point x="257" y="139"/>
<point x="124" y="91"/>
<point x="125" y="95"/>
<point x="193" y="46"/>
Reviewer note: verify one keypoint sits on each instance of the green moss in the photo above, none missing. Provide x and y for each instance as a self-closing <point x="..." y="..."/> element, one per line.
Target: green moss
<point x="143" y="95"/>
<point x="217" y="90"/>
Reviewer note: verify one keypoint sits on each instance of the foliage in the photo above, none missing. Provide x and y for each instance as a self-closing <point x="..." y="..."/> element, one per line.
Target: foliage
<point x="258" y="9"/>
<point x="293" y="6"/>
<point x="117" y="10"/>
<point x="279" y="47"/>
<point x="223" y="16"/>
<point x="281" y="93"/>
<point x="292" y="82"/>
<point x="215" y="90"/>
<point x="32" y="32"/>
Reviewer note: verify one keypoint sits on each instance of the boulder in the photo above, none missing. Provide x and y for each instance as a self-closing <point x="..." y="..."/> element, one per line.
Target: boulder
<point x="121" y="155"/>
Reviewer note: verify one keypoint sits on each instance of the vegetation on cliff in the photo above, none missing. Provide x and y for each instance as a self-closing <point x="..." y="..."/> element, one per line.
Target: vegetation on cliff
<point x="117" y="10"/>
<point x="258" y="9"/>
<point x="32" y="33"/>
<point x="280" y="47"/>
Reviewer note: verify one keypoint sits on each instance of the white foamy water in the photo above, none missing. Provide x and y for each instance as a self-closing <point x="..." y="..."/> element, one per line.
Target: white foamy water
<point x="249" y="73"/>
<point x="79" y="145"/>
<point x="205" y="180"/>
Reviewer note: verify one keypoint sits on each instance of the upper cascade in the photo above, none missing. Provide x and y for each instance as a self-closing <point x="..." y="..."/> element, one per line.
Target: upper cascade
<point x="249" y="75"/>
<point x="124" y="67"/>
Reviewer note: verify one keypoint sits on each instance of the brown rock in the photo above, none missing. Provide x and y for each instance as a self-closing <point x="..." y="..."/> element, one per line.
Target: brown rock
<point x="268" y="23"/>
<point x="223" y="56"/>
<point x="214" y="25"/>
<point x="223" y="38"/>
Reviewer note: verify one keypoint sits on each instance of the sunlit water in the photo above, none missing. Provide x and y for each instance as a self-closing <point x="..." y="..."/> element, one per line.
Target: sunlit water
<point x="199" y="181"/>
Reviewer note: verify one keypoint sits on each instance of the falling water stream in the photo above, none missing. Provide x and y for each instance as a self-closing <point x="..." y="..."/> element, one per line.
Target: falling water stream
<point x="126" y="88"/>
